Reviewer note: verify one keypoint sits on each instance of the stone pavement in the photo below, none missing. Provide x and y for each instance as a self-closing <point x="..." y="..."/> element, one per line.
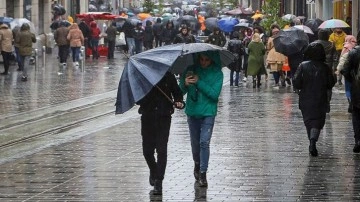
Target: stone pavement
<point x="259" y="149"/>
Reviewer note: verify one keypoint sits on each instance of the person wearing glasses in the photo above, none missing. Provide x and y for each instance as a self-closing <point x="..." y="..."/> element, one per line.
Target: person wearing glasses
<point x="202" y="82"/>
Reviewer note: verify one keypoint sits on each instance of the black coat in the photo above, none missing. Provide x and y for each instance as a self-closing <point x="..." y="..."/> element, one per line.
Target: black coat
<point x="156" y="102"/>
<point x="181" y="38"/>
<point x="237" y="48"/>
<point x="350" y="72"/>
<point x="313" y="79"/>
<point x="149" y="35"/>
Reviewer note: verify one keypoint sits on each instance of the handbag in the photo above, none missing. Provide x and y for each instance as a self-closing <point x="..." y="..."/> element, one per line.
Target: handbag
<point x="120" y="39"/>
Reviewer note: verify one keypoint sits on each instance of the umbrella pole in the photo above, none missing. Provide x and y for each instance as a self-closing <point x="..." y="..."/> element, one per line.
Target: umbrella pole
<point x="167" y="97"/>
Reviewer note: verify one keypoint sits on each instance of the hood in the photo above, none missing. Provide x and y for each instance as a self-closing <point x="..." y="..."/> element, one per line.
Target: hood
<point x="93" y="24"/>
<point x="350" y="43"/>
<point x="4" y="26"/>
<point x="74" y="26"/>
<point x="214" y="55"/>
<point x="315" y="51"/>
<point x="25" y="27"/>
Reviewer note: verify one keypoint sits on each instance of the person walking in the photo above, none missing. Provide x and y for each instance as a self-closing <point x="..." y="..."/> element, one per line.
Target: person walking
<point x="128" y="30"/>
<point x="6" y="38"/>
<point x="148" y="36"/>
<point x="184" y="36"/>
<point x="274" y="59"/>
<point x="76" y="39"/>
<point x="235" y="46"/>
<point x="111" y="33"/>
<point x="60" y="36"/>
<point x="216" y="38"/>
<point x="313" y="78"/>
<point x="25" y="39"/>
<point x="338" y="38"/>
<point x="156" y="110"/>
<point x="86" y="31"/>
<point x="168" y="33"/>
<point x="158" y="29"/>
<point x="256" y="50"/>
<point x="139" y="34"/>
<point x="15" y="32"/>
<point x="351" y="73"/>
<point x="350" y="43"/>
<point x="95" y="38"/>
<point x="202" y="82"/>
<point x="247" y="39"/>
<point x="323" y="39"/>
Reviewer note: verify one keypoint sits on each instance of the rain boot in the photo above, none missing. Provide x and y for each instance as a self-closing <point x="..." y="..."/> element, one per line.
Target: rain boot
<point x="202" y="180"/>
<point x="350" y="108"/>
<point x="314" y="136"/>
<point x="197" y="171"/>
<point x="157" y="187"/>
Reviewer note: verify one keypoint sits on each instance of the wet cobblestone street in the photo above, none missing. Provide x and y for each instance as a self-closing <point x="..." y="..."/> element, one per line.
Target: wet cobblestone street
<point x="259" y="149"/>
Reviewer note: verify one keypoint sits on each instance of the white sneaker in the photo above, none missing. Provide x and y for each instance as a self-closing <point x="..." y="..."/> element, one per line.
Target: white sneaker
<point x="76" y="63"/>
<point x="244" y="79"/>
<point x="64" y="64"/>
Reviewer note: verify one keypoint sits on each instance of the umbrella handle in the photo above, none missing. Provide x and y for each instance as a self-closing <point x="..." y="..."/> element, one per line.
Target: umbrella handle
<point x="168" y="98"/>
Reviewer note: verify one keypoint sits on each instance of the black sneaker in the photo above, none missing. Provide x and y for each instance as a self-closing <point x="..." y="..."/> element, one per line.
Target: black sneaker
<point x="288" y="81"/>
<point x="24" y="78"/>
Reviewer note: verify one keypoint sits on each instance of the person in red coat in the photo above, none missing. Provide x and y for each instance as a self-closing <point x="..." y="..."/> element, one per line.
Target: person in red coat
<point x="95" y="37"/>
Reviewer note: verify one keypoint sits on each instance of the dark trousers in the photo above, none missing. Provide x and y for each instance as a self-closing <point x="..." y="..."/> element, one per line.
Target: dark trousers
<point x="63" y="53"/>
<point x="111" y="49"/>
<point x="155" y="136"/>
<point x="6" y="57"/>
<point x="158" y="41"/>
<point x="356" y="123"/>
<point x="245" y="64"/>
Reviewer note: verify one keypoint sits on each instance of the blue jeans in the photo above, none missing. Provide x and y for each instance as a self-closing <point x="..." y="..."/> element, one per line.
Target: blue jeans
<point x="131" y="44"/>
<point x="200" y="135"/>
<point x="237" y="75"/>
<point x="75" y="53"/>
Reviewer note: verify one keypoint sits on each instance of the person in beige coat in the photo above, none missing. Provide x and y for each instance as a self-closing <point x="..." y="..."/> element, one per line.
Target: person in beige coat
<point x="76" y="39"/>
<point x="275" y="60"/>
<point x="25" y="40"/>
<point x="6" y="38"/>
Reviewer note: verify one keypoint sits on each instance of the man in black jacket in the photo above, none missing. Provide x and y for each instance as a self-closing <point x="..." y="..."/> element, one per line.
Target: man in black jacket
<point x="156" y="109"/>
<point x="158" y="29"/>
<point x="351" y="72"/>
<point x="86" y="31"/>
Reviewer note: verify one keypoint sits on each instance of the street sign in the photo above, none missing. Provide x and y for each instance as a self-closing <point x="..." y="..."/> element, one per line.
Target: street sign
<point x="310" y="1"/>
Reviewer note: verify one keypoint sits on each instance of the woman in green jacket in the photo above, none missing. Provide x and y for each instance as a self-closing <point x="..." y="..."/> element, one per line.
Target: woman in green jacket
<point x="202" y="82"/>
<point x="256" y="68"/>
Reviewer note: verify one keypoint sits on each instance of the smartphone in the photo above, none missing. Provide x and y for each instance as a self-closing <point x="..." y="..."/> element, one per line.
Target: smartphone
<point x="189" y="74"/>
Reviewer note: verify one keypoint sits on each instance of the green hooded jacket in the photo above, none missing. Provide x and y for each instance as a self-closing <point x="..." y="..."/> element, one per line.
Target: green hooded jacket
<point x="202" y="98"/>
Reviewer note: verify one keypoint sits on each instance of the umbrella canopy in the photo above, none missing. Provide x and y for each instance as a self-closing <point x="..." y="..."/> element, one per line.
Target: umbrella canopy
<point x="188" y="19"/>
<point x="6" y="20"/>
<point x="288" y="17"/>
<point x="243" y="25"/>
<point x="211" y="23"/>
<point x="143" y="16"/>
<point x="291" y="41"/>
<point x="305" y="28"/>
<point x="333" y="23"/>
<point x="227" y="24"/>
<point x="20" y="21"/>
<point x="133" y="20"/>
<point x="144" y="70"/>
<point x="314" y="24"/>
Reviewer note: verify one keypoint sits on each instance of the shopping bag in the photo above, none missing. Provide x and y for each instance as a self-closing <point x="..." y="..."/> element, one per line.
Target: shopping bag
<point x="120" y="39"/>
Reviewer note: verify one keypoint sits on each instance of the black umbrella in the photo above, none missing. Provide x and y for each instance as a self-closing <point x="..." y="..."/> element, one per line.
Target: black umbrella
<point x="187" y="19"/>
<point x="291" y="41"/>
<point x="211" y="23"/>
<point x="314" y="24"/>
<point x="144" y="70"/>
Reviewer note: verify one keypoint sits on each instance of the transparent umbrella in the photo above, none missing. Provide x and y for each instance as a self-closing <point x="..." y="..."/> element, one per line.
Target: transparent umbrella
<point x="18" y="22"/>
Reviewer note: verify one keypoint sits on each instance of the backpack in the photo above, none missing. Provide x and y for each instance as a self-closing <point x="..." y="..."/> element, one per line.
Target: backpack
<point x="236" y="47"/>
